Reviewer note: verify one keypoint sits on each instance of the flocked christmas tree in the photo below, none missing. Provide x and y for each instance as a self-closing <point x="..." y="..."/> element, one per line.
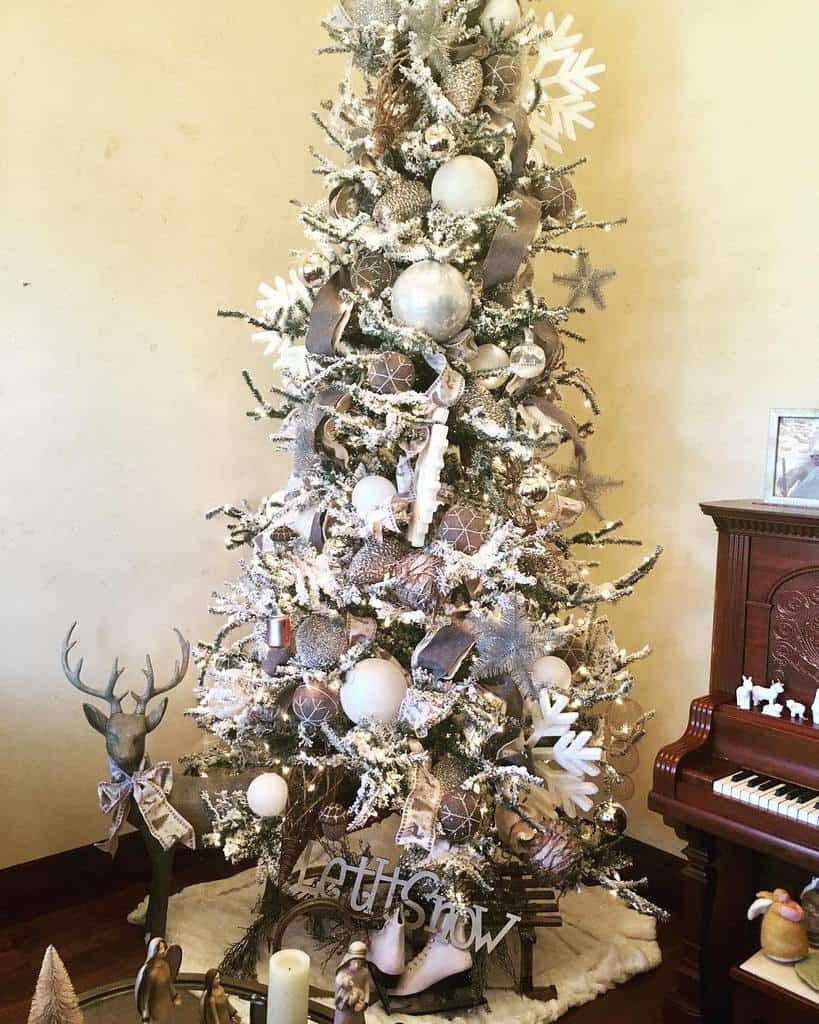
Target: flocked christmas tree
<point x="55" y="1001"/>
<point x="418" y="628"/>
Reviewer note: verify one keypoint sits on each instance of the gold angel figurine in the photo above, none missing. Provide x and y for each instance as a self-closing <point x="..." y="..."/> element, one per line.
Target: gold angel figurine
<point x="214" y="1006"/>
<point x="155" y="991"/>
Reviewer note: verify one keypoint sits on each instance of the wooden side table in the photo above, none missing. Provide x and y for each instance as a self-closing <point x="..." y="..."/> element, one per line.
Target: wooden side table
<point x="114" y="1004"/>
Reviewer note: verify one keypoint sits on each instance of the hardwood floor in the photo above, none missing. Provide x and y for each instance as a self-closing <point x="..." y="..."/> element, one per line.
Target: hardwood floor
<point x="98" y="946"/>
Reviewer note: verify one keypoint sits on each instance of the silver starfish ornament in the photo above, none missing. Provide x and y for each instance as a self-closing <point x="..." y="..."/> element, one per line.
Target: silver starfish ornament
<point x="587" y="280"/>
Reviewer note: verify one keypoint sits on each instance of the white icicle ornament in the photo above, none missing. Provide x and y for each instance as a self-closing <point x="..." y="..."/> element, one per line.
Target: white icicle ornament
<point x="428" y="469"/>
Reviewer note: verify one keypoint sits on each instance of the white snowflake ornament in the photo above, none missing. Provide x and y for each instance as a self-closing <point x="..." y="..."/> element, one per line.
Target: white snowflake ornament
<point x="570" y="792"/>
<point x="278" y="304"/>
<point x="553" y="719"/>
<point x="565" y="78"/>
<point x="574" y="755"/>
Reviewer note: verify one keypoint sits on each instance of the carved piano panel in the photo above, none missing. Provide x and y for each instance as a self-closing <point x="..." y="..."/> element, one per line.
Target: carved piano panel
<point x="793" y="639"/>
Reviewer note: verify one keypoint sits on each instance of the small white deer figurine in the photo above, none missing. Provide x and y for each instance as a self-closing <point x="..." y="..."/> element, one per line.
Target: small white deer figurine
<point x="744" y="693"/>
<point x="767" y="693"/>
<point x="796" y="709"/>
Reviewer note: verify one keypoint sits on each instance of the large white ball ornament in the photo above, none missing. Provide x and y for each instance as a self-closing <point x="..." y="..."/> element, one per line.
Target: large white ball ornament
<point x="374" y="688"/>
<point x="267" y="795"/>
<point x="372" y="492"/>
<point x="432" y="297"/>
<point x="491" y="357"/>
<point x="551" y="672"/>
<point x="499" y="15"/>
<point x="465" y="184"/>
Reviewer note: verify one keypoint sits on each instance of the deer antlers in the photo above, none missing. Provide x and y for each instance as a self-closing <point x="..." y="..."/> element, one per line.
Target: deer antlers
<point x="179" y="670"/>
<point x="73" y="676"/>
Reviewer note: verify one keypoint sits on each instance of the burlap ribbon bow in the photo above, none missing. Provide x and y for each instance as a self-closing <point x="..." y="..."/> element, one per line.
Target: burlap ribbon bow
<point x="149" y="787"/>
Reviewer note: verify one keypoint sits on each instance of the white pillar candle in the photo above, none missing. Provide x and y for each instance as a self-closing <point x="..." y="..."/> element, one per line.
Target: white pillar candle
<point x="288" y="987"/>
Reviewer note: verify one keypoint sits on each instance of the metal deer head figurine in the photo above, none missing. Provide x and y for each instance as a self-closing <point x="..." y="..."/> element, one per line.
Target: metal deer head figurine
<point x="125" y="732"/>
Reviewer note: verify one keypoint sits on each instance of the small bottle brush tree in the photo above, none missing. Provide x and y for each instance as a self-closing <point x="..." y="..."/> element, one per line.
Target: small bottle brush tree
<point x="55" y="1001"/>
<point x="416" y="628"/>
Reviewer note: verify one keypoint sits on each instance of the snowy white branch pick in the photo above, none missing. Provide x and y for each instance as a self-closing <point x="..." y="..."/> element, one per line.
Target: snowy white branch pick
<point x="553" y="720"/>
<point x="569" y="791"/>
<point x="574" y="755"/>
<point x="565" y="78"/>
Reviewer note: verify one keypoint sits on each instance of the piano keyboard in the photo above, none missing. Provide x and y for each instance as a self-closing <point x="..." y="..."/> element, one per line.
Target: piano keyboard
<point x="772" y="795"/>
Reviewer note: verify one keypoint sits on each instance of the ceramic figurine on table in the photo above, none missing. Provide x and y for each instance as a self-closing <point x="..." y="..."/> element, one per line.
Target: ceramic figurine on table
<point x="744" y="692"/>
<point x="784" y="936"/>
<point x="815" y="709"/>
<point x="352" y="986"/>
<point x="155" y="991"/>
<point x="214" y="1006"/>
<point x="766" y="693"/>
<point x="773" y="710"/>
<point x="796" y="709"/>
<point x="810" y="904"/>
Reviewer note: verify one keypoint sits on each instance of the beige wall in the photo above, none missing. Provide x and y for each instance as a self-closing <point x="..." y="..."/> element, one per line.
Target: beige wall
<point x="149" y="157"/>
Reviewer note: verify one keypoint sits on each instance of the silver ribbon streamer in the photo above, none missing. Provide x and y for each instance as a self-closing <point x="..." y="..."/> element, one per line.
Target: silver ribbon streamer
<point x="519" y="119"/>
<point x="559" y="416"/>
<point x="509" y="246"/>
<point x="420" y="811"/>
<point x="149" y="788"/>
<point x="328" y="317"/>
<point x="442" y="652"/>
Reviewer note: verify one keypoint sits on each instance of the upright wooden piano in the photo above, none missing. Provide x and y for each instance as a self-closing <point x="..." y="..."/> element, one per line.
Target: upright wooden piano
<point x="742" y="788"/>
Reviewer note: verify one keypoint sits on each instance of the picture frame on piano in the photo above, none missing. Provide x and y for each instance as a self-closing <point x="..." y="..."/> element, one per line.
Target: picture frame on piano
<point x="792" y="469"/>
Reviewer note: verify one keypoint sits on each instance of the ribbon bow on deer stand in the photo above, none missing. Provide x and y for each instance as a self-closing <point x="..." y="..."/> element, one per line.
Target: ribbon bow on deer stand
<point x="149" y="788"/>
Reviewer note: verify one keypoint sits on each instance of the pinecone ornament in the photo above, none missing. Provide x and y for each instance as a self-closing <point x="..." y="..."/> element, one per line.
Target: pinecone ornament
<point x="462" y="85"/>
<point x="403" y="202"/>
<point x="418" y="580"/>
<point x="374" y="561"/>
<point x="502" y="73"/>
<point x="554" y="854"/>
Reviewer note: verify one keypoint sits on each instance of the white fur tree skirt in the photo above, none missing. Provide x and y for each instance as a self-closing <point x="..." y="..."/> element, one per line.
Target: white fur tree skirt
<point x="601" y="944"/>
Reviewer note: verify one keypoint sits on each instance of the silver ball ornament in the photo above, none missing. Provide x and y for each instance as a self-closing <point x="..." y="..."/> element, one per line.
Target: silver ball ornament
<point x="465" y="184"/>
<point x="320" y="641"/>
<point x="499" y="15"/>
<point x="491" y="357"/>
<point x="527" y="361"/>
<point x="315" y="270"/>
<point x="611" y="819"/>
<point x="432" y="297"/>
<point x="439" y="139"/>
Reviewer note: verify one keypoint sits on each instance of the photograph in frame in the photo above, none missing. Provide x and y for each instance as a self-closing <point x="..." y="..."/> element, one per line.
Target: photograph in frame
<point x="792" y="476"/>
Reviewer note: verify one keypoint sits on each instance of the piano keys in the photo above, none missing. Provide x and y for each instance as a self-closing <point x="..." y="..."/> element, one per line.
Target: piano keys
<point x="740" y="787"/>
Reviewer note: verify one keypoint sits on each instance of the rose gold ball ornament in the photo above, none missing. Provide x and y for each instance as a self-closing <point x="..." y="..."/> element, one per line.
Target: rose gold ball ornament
<point x="460" y="816"/>
<point x="314" y="704"/>
<point x="333" y="820"/>
<point x="624" y="790"/>
<point x="371" y="273"/>
<point x="464" y="528"/>
<point x="611" y="819"/>
<point x="391" y="374"/>
<point x="502" y="73"/>
<point x="559" y="199"/>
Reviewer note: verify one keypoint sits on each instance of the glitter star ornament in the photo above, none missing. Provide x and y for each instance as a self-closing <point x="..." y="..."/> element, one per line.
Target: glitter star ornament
<point x="585" y="281"/>
<point x="587" y="485"/>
